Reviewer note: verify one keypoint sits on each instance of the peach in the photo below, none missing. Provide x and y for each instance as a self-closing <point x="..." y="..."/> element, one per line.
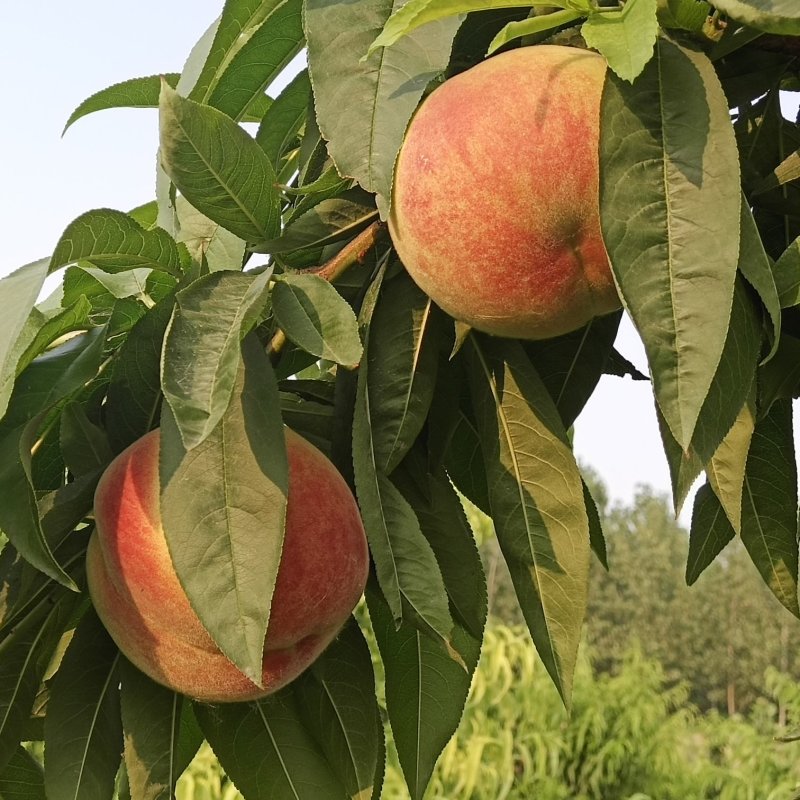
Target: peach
<point x="138" y="597"/>
<point x="495" y="207"/>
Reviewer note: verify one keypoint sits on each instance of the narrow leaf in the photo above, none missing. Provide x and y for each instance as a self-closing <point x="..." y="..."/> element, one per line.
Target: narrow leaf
<point x="133" y="93"/>
<point x="336" y="697"/>
<point x="404" y="561"/>
<point x="411" y="15"/>
<point x="754" y="264"/>
<point x="133" y="400"/>
<point x="223" y="507"/>
<point x="536" y="497"/>
<point x="239" y="20"/>
<point x="83" y="729"/>
<point x="787" y="275"/>
<point x="260" y="60"/>
<point x="161" y="736"/>
<point x="24" y="657"/>
<point x="445" y="526"/>
<point x="531" y="26"/>
<point x="571" y="366"/>
<point x="316" y="317"/>
<point x="425" y="690"/>
<point x="19" y="291"/>
<point x="710" y="532"/>
<point x="220" y="170"/>
<point x="202" y="348"/>
<point x="670" y="206"/>
<point x="769" y="507"/>
<point x="726" y="469"/>
<point x="403" y="362"/>
<point x="280" y="125"/>
<point x="380" y="92"/>
<point x="267" y="749"/>
<point x="115" y="241"/>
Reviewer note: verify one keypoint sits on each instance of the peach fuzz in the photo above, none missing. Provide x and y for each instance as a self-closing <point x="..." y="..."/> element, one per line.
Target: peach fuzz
<point x="138" y="597"/>
<point x="495" y="205"/>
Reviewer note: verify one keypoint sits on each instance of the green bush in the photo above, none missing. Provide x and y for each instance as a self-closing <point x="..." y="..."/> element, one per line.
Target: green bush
<point x="630" y="736"/>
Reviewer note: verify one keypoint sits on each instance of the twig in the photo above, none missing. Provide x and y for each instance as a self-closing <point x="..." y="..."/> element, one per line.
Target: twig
<point x="354" y="252"/>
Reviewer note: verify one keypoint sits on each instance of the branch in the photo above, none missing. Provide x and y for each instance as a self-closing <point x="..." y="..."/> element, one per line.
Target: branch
<point x="354" y="252"/>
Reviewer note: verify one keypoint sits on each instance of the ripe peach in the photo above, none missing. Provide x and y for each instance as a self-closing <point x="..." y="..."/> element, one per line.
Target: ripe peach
<point x="495" y="210"/>
<point x="136" y="592"/>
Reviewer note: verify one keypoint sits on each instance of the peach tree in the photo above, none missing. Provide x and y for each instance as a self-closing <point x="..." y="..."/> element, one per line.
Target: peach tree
<point x="261" y="288"/>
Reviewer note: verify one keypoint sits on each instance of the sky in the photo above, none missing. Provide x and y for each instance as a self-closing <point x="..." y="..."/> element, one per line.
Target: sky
<point x="54" y="55"/>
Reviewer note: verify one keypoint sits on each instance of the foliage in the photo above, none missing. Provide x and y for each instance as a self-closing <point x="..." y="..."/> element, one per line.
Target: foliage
<point x="260" y="288"/>
<point x="630" y="735"/>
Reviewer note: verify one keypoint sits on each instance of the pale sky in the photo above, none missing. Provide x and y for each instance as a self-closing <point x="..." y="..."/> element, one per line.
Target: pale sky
<point x="54" y="55"/>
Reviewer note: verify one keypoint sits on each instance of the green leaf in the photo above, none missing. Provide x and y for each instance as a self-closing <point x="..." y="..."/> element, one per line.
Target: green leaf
<point x="571" y="366"/>
<point x="380" y="92"/>
<point x="425" y="690"/>
<point x="220" y="170"/>
<point x="19" y="291"/>
<point x="55" y="375"/>
<point x="403" y="362"/>
<point x="669" y="207"/>
<point x="201" y="352"/>
<point x="24" y="656"/>
<point x="161" y="735"/>
<point x="336" y="697"/>
<point x="22" y="779"/>
<point x="464" y="462"/>
<point x="267" y="749"/>
<point x="43" y="328"/>
<point x="49" y="379"/>
<point x="316" y="317"/>
<point x="330" y="221"/>
<point x="133" y="400"/>
<point x="531" y="26"/>
<point x="133" y="93"/>
<point x="411" y="15"/>
<point x="755" y="266"/>
<point x="240" y="19"/>
<point x="207" y="241"/>
<point x="780" y="377"/>
<point x="597" y="539"/>
<point x="787" y="275"/>
<point x="445" y="526"/>
<point x="709" y="535"/>
<point x="772" y="16"/>
<point x="279" y="127"/>
<point x="407" y="571"/>
<point x="223" y="507"/>
<point x="259" y="60"/>
<point x="769" y="506"/>
<point x="626" y="38"/>
<point x="114" y="241"/>
<point x="83" y="728"/>
<point x="536" y="498"/>
<point x="84" y="445"/>
<point x="726" y="469"/>
<point x="727" y="394"/>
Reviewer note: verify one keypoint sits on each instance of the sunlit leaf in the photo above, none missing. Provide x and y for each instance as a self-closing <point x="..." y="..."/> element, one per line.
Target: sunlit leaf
<point x="670" y="207"/>
<point x="220" y="170"/>
<point x="536" y="498"/>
